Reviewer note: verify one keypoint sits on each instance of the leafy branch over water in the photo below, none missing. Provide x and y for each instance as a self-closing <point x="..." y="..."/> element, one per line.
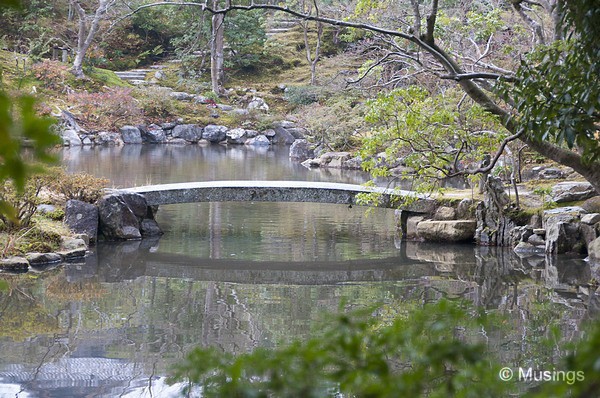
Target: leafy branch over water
<point x="438" y="350"/>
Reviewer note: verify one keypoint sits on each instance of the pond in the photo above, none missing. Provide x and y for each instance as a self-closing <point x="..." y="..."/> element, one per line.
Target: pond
<point x="242" y="275"/>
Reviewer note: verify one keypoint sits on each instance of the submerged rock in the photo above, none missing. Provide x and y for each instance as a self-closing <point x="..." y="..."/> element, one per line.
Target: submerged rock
<point x="39" y="259"/>
<point x="447" y="231"/>
<point x="301" y="150"/>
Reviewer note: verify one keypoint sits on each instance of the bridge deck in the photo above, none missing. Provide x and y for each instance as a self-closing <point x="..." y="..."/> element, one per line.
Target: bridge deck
<point x="277" y="191"/>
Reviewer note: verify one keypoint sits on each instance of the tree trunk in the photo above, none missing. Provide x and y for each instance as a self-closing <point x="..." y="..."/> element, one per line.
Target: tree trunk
<point x="216" y="52"/>
<point x="312" y="61"/>
<point x="85" y="36"/>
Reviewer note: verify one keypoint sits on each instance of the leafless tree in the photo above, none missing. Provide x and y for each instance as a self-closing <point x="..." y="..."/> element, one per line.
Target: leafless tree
<point x="311" y="7"/>
<point x="87" y="30"/>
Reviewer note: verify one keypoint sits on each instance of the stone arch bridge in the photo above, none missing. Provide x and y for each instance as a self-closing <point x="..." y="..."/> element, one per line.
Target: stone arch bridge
<point x="279" y="191"/>
<point x="129" y="213"/>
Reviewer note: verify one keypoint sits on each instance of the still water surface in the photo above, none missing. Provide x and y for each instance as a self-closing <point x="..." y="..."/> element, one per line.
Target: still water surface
<point x="242" y="275"/>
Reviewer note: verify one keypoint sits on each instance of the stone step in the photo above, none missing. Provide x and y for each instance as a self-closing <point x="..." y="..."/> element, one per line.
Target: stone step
<point x="130" y="75"/>
<point x="278" y="30"/>
<point x="139" y="82"/>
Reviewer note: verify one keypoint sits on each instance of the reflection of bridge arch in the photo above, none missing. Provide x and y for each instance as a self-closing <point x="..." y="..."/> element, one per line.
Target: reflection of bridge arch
<point x="111" y="257"/>
<point x="277" y="191"/>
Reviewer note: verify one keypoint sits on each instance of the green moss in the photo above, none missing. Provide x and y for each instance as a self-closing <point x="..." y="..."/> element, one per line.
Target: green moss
<point x="44" y="236"/>
<point x="523" y="216"/>
<point x="107" y="77"/>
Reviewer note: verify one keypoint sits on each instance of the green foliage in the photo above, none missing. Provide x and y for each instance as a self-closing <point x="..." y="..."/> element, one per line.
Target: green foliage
<point x="303" y="95"/>
<point x="55" y="215"/>
<point x="433" y="350"/>
<point x="22" y="28"/>
<point x="245" y="34"/>
<point x="545" y="192"/>
<point x="558" y="95"/>
<point x="427" y="134"/>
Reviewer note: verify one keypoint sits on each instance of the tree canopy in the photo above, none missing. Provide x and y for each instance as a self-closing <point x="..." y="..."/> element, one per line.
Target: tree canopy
<point x="548" y="98"/>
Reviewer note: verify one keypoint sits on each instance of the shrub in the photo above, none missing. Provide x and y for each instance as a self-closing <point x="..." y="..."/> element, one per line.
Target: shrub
<point x="79" y="186"/>
<point x="52" y="74"/>
<point x="303" y="95"/>
<point x="24" y="203"/>
<point x="107" y="110"/>
<point x="155" y="102"/>
<point x="336" y="125"/>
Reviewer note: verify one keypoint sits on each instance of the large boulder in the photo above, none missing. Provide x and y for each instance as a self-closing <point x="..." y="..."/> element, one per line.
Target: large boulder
<point x="444" y="213"/>
<point x="188" y="132"/>
<point x="70" y="138"/>
<point x="447" y="231"/>
<point x="154" y="134"/>
<point x="258" y="104"/>
<point x="298" y="132"/>
<point x="592" y="205"/>
<point x="82" y="218"/>
<point x="594" y="251"/>
<point x="215" y="133"/>
<point x="334" y="159"/>
<point x="108" y="138"/>
<point x="236" y="136"/>
<point x="563" y="237"/>
<point x="591" y="219"/>
<point x="131" y="135"/>
<point x="124" y="215"/>
<point x="494" y="225"/>
<point x="301" y="150"/>
<point x="282" y="137"/>
<point x="572" y="191"/>
<point x="412" y="223"/>
<point x="259" y="140"/>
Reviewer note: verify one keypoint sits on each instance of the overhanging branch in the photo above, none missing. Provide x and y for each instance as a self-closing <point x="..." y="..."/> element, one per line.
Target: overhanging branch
<point x="478" y="75"/>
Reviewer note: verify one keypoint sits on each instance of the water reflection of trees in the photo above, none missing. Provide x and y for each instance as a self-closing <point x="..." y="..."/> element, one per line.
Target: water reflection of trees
<point x="128" y="304"/>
